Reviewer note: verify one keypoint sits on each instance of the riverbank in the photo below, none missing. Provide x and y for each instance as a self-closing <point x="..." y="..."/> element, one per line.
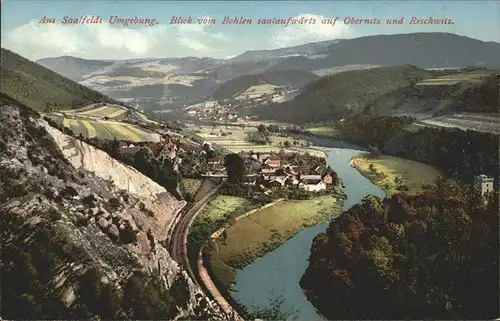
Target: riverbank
<point x="324" y="131"/>
<point x="265" y="230"/>
<point x="280" y="270"/>
<point x="395" y="175"/>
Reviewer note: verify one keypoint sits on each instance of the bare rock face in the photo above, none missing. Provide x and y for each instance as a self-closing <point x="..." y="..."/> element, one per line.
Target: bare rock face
<point x="113" y="230"/>
<point x="85" y="156"/>
<point x="75" y="232"/>
<point x="69" y="296"/>
<point x="103" y="223"/>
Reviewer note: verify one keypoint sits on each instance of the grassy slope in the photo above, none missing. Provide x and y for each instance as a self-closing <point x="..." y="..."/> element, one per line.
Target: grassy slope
<point x="253" y="236"/>
<point x="36" y="86"/>
<point x="475" y="91"/>
<point x="292" y="78"/>
<point x="325" y="131"/>
<point x="342" y="94"/>
<point x="413" y="174"/>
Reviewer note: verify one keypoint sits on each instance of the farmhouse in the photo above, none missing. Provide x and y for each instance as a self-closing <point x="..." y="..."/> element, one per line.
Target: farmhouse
<point x="216" y="161"/>
<point x="167" y="152"/>
<point x="273" y="161"/>
<point x="291" y="169"/>
<point x="312" y="185"/>
<point x="249" y="180"/>
<point x="125" y="148"/>
<point x="310" y="177"/>
<point x="277" y="182"/>
<point x="268" y="170"/>
<point x="292" y="180"/>
<point x="262" y="156"/>
<point x="328" y="179"/>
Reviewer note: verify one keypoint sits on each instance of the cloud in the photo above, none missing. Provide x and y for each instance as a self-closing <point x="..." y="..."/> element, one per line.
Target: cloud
<point x="107" y="41"/>
<point x="297" y="34"/>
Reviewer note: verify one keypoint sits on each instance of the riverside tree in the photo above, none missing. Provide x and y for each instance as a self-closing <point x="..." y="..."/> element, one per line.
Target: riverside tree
<point x="235" y="166"/>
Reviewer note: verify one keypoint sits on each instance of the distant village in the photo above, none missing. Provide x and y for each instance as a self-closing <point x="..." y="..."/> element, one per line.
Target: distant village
<point x="213" y="111"/>
<point x="227" y="110"/>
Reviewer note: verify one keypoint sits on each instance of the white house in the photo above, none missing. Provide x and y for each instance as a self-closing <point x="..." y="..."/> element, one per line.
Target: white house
<point x="167" y="153"/>
<point x="312" y="186"/>
<point x="484" y="184"/>
<point x="310" y="177"/>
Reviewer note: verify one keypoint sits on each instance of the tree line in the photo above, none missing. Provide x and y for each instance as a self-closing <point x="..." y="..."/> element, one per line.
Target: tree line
<point x="457" y="153"/>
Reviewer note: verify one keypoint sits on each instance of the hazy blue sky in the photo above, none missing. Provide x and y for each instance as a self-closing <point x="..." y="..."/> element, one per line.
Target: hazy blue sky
<point x="22" y="32"/>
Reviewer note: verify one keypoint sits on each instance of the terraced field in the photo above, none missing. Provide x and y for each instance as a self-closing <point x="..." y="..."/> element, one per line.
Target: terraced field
<point x="257" y="90"/>
<point x="457" y="78"/>
<point x="106" y="129"/>
<point x="109" y="111"/>
<point x="466" y="121"/>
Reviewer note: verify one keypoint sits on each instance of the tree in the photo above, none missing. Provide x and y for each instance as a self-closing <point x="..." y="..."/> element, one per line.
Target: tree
<point x="286" y="144"/>
<point x="235" y="166"/>
<point x="372" y="168"/>
<point x="274" y="312"/>
<point x="273" y="128"/>
<point x="258" y="138"/>
<point x="262" y="129"/>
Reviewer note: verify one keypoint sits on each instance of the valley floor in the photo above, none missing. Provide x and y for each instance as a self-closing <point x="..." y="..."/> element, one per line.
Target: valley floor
<point x="323" y="131"/>
<point x="265" y="230"/>
<point x="386" y="168"/>
<point x="232" y="138"/>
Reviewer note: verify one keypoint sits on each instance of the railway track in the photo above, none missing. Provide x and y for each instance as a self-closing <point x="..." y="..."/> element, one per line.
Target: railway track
<point x="178" y="241"/>
<point x="178" y="251"/>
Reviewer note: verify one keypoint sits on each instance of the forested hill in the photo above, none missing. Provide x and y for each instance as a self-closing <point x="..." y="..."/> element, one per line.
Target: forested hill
<point x="38" y="87"/>
<point x="433" y="255"/>
<point x="290" y="78"/>
<point x="337" y="96"/>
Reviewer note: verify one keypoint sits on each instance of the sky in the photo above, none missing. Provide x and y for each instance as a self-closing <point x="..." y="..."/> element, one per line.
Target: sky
<point x="22" y="32"/>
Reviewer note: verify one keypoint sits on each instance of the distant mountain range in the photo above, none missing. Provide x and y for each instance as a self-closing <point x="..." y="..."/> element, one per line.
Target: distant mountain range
<point x="181" y="81"/>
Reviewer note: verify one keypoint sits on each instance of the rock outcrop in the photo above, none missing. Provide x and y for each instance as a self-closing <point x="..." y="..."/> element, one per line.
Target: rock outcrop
<point x="76" y="245"/>
<point x="85" y="156"/>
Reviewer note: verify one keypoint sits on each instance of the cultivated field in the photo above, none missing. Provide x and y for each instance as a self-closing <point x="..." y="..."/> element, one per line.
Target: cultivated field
<point x="223" y="207"/>
<point x="325" y="131"/>
<point x="103" y="122"/>
<point x="96" y="111"/>
<point x="467" y="121"/>
<point x="457" y="78"/>
<point x="259" y="89"/>
<point x="108" y="130"/>
<point x="130" y="81"/>
<point x="413" y="174"/>
<point x="252" y="236"/>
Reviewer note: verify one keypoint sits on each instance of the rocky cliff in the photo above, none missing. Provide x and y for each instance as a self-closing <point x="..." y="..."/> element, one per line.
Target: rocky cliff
<point x="77" y="245"/>
<point x="83" y="155"/>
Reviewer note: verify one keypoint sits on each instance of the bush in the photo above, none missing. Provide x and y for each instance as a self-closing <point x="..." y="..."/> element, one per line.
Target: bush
<point x="55" y="214"/>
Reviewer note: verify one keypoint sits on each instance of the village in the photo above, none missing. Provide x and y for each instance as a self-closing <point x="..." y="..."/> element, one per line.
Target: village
<point x="227" y="110"/>
<point x="213" y="111"/>
<point x="268" y="172"/>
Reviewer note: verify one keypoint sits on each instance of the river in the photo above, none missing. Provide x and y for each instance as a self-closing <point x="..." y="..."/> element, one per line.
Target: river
<point x="276" y="275"/>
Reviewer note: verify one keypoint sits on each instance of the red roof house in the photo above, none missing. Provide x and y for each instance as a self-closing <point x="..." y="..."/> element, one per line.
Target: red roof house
<point x="273" y="161"/>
